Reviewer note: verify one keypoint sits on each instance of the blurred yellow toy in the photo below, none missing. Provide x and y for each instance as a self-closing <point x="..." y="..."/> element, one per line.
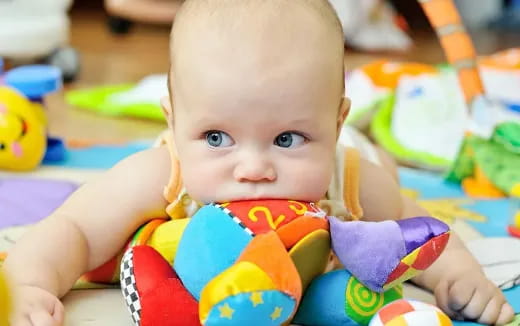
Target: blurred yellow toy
<point x="22" y="131"/>
<point x="4" y="300"/>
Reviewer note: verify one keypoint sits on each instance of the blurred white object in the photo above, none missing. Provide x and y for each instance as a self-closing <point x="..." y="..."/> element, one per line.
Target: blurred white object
<point x="364" y="96"/>
<point x="500" y="259"/>
<point x="32" y="29"/>
<point x="369" y="25"/>
<point x="430" y="114"/>
<point x="149" y="90"/>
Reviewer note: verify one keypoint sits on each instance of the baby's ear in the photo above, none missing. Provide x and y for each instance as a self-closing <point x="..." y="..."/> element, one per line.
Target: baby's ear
<point x="343" y="111"/>
<point x="167" y="110"/>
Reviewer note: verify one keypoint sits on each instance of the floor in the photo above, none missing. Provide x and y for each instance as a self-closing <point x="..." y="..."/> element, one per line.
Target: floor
<point x="109" y="59"/>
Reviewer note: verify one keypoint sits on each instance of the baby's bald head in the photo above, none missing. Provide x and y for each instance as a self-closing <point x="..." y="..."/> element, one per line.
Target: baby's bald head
<point x="247" y="72"/>
<point x="253" y="36"/>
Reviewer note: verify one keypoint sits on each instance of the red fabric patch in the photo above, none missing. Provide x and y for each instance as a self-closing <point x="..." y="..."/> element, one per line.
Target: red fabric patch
<point x="150" y="268"/>
<point x="262" y="216"/>
<point x="394" y="309"/>
<point x="398" y="271"/>
<point x="430" y="251"/>
<point x="164" y="299"/>
<point x="169" y="304"/>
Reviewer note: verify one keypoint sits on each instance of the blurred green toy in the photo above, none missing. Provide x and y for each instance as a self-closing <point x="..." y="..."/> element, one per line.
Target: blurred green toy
<point x="141" y="100"/>
<point x="490" y="167"/>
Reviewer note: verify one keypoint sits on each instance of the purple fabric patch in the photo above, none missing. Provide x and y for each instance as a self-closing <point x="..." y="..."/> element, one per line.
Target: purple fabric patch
<point x="27" y="201"/>
<point x="368" y="250"/>
<point x="418" y="230"/>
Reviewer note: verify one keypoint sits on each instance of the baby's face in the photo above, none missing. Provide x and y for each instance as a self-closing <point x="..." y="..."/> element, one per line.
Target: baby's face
<point x="255" y="122"/>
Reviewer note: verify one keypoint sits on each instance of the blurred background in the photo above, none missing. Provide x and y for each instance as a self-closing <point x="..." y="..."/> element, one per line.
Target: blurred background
<point x="117" y="44"/>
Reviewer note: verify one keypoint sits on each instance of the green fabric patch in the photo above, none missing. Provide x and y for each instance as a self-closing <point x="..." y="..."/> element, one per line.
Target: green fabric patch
<point x="311" y="255"/>
<point x="361" y="303"/>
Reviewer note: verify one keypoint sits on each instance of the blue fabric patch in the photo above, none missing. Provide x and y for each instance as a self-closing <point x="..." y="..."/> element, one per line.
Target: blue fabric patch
<point x="240" y="310"/>
<point x="211" y="243"/>
<point x="323" y="303"/>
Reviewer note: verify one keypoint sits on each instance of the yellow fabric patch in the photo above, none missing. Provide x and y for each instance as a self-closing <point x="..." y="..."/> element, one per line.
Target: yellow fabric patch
<point x="240" y="278"/>
<point x="311" y="255"/>
<point x="398" y="321"/>
<point x="411" y="257"/>
<point x="410" y="273"/>
<point x="167" y="236"/>
<point x="443" y="319"/>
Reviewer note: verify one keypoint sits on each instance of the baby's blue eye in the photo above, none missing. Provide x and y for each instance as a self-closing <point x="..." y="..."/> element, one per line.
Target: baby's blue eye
<point x="218" y="139"/>
<point x="289" y="140"/>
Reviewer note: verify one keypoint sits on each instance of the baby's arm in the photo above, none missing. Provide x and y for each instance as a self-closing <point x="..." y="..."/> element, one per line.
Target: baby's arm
<point x="460" y="286"/>
<point x="88" y="230"/>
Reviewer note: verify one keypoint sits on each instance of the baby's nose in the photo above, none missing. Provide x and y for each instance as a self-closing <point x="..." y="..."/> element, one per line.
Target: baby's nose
<point x="255" y="170"/>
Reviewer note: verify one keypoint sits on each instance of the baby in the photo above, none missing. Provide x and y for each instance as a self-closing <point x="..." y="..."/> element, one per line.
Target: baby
<point x="256" y="107"/>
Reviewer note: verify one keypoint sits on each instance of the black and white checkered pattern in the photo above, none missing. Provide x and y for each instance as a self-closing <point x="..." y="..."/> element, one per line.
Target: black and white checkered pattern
<point x="128" y="286"/>
<point x="235" y="219"/>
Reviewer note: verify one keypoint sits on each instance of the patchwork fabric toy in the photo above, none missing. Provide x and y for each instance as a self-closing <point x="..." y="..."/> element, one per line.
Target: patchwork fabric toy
<point x="267" y="262"/>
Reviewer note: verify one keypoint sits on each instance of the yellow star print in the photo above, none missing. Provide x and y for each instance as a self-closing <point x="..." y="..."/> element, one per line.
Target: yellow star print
<point x="276" y="313"/>
<point x="226" y="311"/>
<point x="446" y="210"/>
<point x="256" y="298"/>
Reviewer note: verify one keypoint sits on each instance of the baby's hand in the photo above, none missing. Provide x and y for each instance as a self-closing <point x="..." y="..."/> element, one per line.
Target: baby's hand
<point x="472" y="296"/>
<point x="34" y="306"/>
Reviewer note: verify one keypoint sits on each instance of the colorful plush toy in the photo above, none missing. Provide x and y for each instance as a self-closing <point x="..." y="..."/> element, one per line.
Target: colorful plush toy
<point x="22" y="131"/>
<point x="266" y="262"/>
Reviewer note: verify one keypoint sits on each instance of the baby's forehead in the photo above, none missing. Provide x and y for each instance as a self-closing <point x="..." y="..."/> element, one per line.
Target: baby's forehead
<point x="235" y="40"/>
<point x="228" y="22"/>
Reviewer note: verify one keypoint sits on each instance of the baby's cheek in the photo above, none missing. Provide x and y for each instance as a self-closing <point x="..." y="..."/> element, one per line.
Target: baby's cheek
<point x="201" y="180"/>
<point x="311" y="179"/>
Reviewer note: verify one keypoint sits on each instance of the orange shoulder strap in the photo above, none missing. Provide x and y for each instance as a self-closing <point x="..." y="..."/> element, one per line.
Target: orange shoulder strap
<point x="173" y="190"/>
<point x="351" y="183"/>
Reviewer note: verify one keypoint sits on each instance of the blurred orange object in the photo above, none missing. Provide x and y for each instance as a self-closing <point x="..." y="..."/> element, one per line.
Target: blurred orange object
<point x="148" y="11"/>
<point x="479" y="186"/>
